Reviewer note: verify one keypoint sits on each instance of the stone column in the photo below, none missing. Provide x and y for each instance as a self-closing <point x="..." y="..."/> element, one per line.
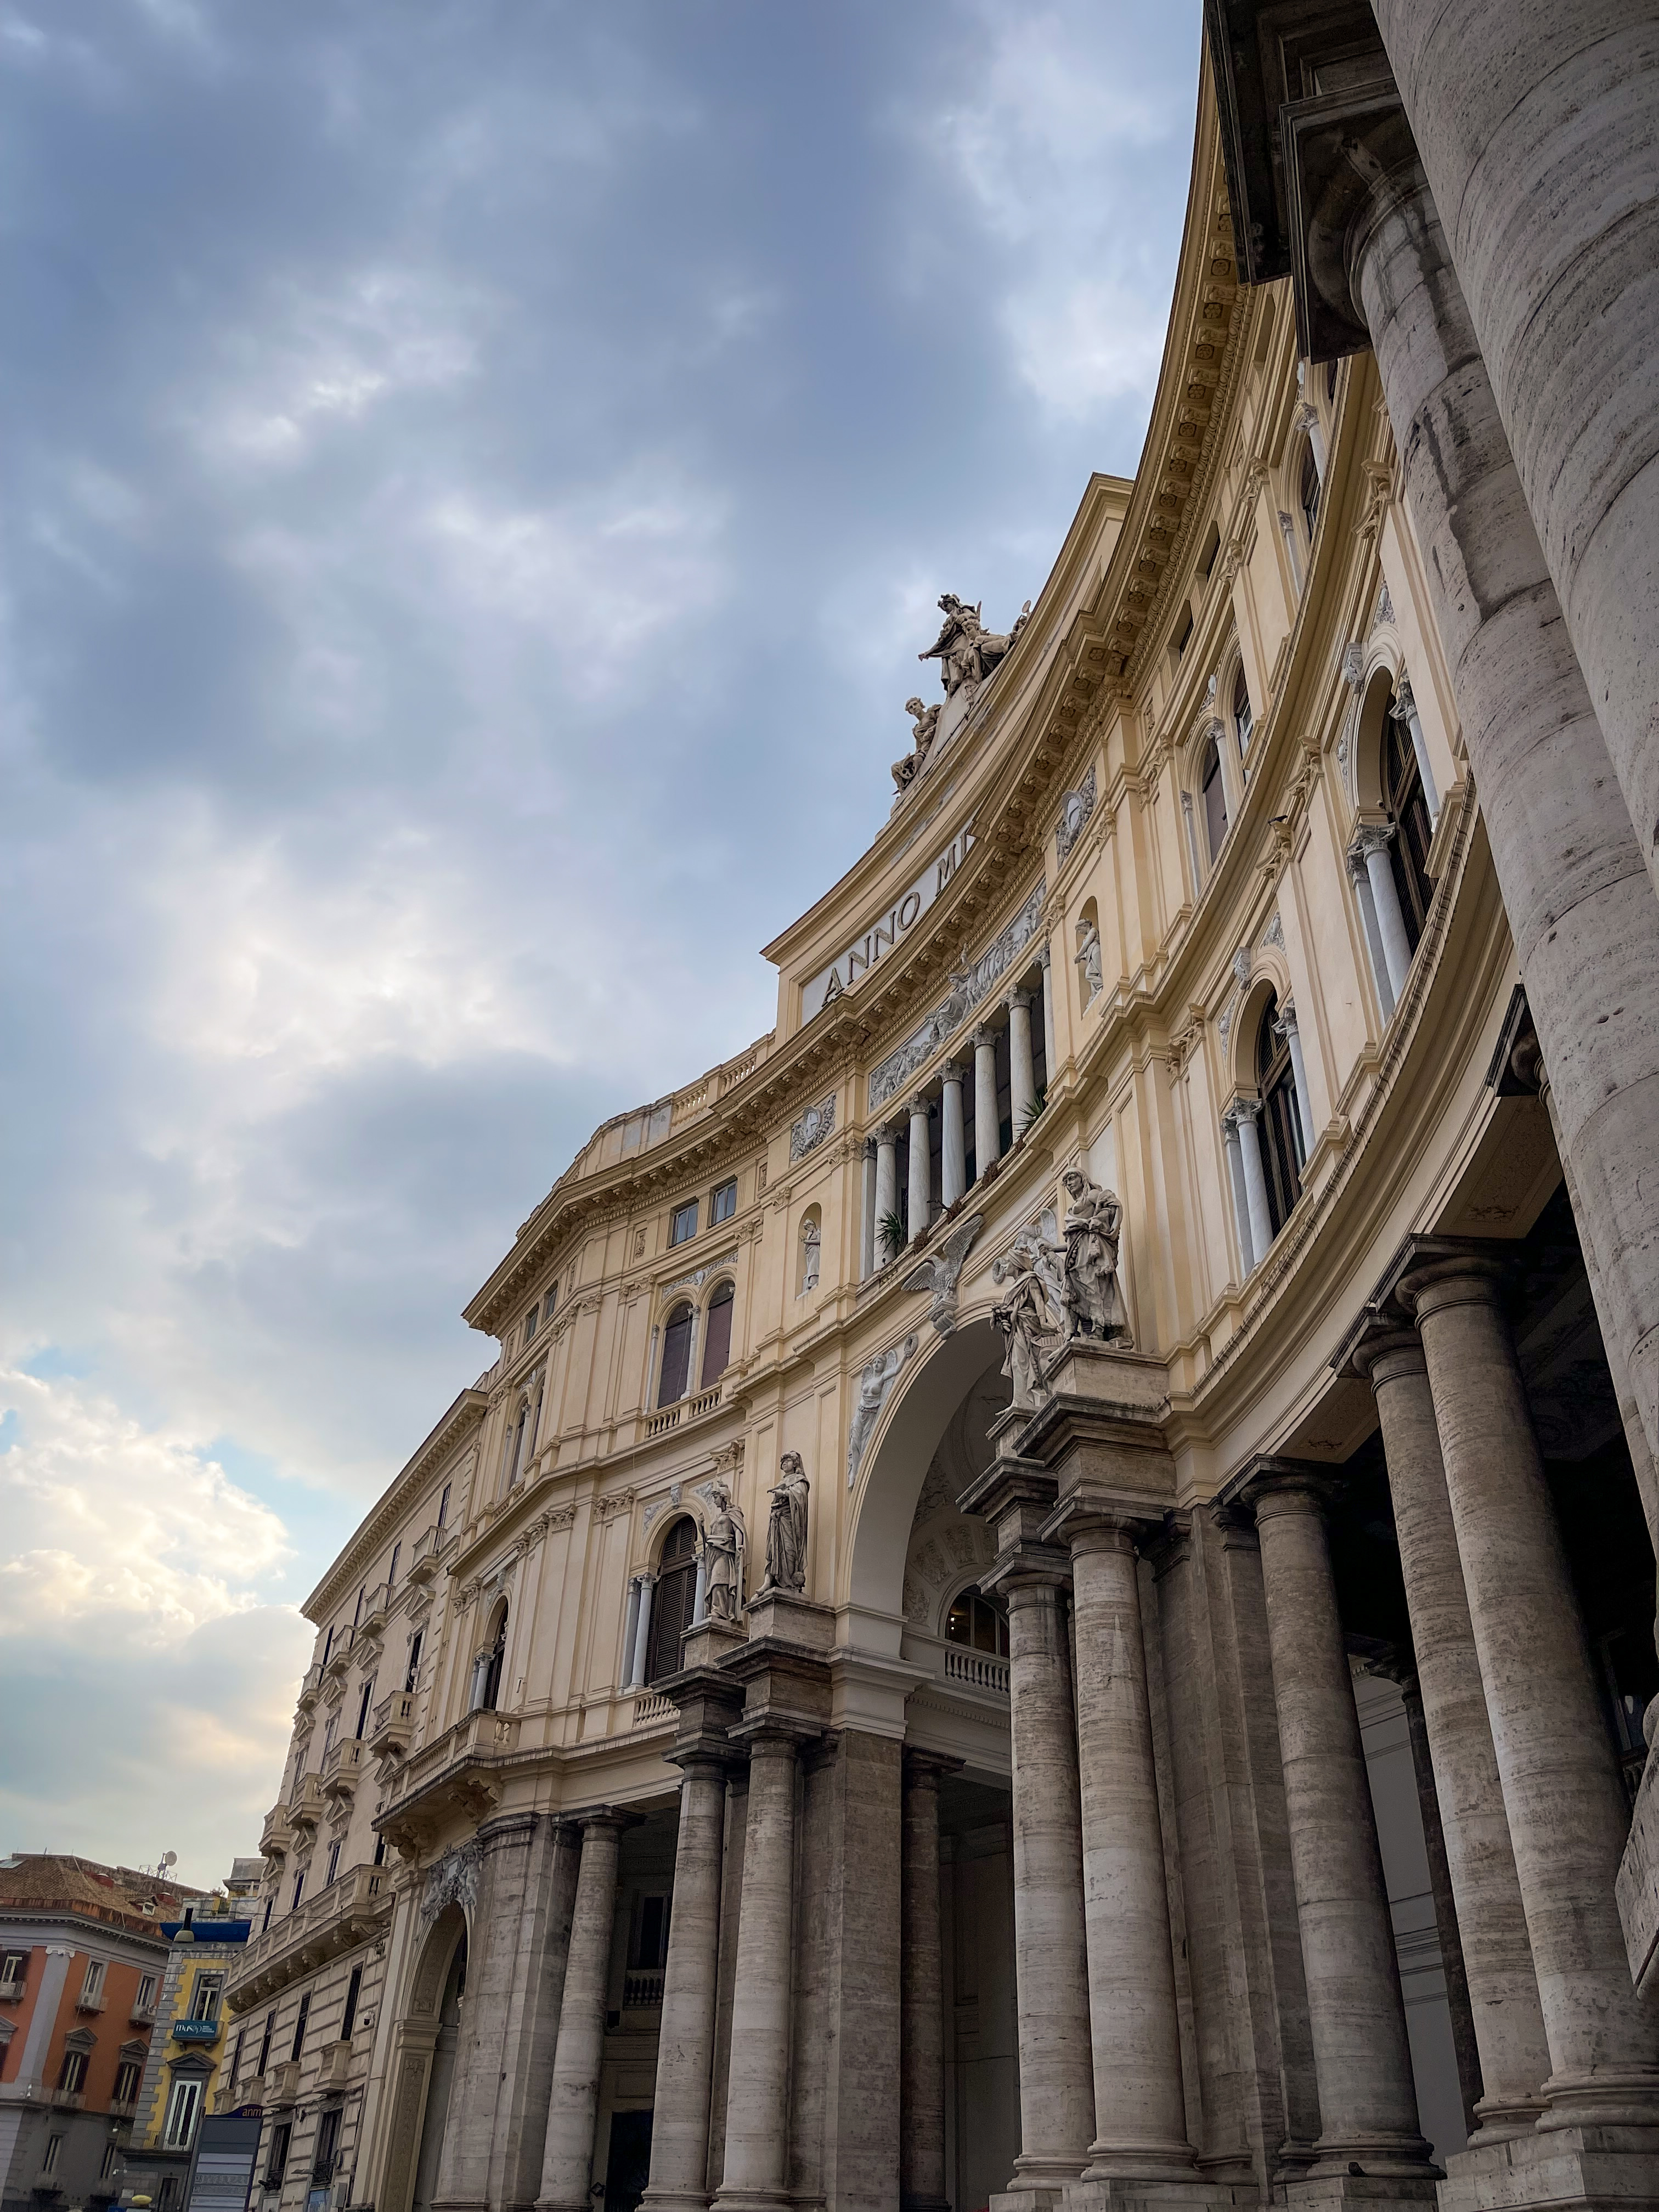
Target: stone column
<point x="1287" y="1028"/>
<point x="1509" y="2026"/>
<point x="1140" y="2112"/>
<point x="685" y="2047"/>
<point x="1566" y="1806"/>
<point x="868" y="1241"/>
<point x="756" y="2177"/>
<point x="1404" y="709"/>
<point x="1535" y="126"/>
<point x="1575" y="888"/>
<point x="886" y="1183"/>
<point x="1022" y="1085"/>
<point x="953" y="1149"/>
<point x="1373" y="840"/>
<point x="630" y="1630"/>
<point x="1056" y="2077"/>
<point x="1458" y="2004"/>
<point x="1045" y="961"/>
<point x="1367" y="2099"/>
<point x="1360" y="876"/>
<point x="921" y="1168"/>
<point x="1241" y="1195"/>
<point x="574" y="2102"/>
<point x="1246" y="1112"/>
<point x="987" y="1129"/>
<point x="922" y="1972"/>
<point x="642" y="1631"/>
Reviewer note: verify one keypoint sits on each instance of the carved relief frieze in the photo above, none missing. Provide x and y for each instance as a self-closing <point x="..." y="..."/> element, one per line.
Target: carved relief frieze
<point x="1075" y="811"/>
<point x="813" y="1127"/>
<point x="453" y="1879"/>
<point x="970" y="986"/>
<point x="607" y="1508"/>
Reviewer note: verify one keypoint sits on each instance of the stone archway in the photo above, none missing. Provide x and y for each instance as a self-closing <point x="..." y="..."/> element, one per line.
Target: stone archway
<point x="416" y="2049"/>
<point x="928" y="1395"/>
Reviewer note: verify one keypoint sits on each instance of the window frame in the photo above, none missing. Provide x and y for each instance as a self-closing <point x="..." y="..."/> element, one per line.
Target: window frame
<point x="185" y="2097"/>
<point x="683" y="1223"/>
<point x="208" y="1988"/>
<point x="723" y="1201"/>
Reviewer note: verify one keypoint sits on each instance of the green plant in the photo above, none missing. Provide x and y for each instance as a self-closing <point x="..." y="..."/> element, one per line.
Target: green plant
<point x="1034" y="1110"/>
<point x="892" y="1235"/>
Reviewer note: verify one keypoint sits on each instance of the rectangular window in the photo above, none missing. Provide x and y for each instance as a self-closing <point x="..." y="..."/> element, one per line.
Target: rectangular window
<point x="333" y="1863"/>
<point x="299" y="1890"/>
<point x="145" y="2000"/>
<point x="54" y="2152"/>
<point x="357" y="1610"/>
<point x="204" y="2003"/>
<point x="379" y="1850"/>
<point x="236" y="2061"/>
<point x="348" y="2017"/>
<point x="300" y="2025"/>
<point x="281" y="2136"/>
<point x="723" y="1203"/>
<point x="443" y="1506"/>
<point x="72" y="2073"/>
<point x="127" y="2076"/>
<point x="182" y="2107"/>
<point x="14" y="1970"/>
<point x="413" y="1671"/>
<point x="92" y="1990"/>
<point x="530" y="1321"/>
<point x="326" y="2156"/>
<point x="111" y="2159"/>
<point x="328" y="1646"/>
<point x="331" y="1731"/>
<point x="264" y="2040"/>
<point x="651" y="1934"/>
<point x="168" y="2194"/>
<point x="365" y="1705"/>
<point x="391" y="1571"/>
<point x="685" y="1223"/>
<point x="265" y="1922"/>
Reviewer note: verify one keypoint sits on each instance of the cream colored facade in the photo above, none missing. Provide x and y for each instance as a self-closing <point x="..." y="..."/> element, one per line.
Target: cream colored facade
<point x="1103" y="1910"/>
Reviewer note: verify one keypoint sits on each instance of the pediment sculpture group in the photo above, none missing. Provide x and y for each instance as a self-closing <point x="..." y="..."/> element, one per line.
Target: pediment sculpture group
<point x="1060" y="1282"/>
<point x="967" y="652"/>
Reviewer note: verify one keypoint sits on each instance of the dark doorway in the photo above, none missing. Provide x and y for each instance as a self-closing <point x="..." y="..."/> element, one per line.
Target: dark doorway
<point x="628" y="2165"/>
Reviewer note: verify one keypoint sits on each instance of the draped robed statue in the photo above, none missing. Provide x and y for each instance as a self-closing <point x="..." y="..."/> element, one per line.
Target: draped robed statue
<point x="785" y="1527"/>
<point x="723" y="1541"/>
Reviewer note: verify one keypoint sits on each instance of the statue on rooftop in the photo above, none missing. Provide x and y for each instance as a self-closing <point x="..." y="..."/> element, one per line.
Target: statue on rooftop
<point x="965" y="649"/>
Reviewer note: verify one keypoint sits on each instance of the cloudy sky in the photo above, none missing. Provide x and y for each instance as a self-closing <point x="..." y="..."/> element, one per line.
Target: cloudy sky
<point x="478" y="473"/>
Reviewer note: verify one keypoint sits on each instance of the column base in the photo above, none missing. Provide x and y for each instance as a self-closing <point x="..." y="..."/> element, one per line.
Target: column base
<point x="1341" y="2191"/>
<point x="657" y="2199"/>
<point x="1579" y="2168"/>
<point x="1038" y="2184"/>
<point x="749" y="2199"/>
<point x="1127" y="2192"/>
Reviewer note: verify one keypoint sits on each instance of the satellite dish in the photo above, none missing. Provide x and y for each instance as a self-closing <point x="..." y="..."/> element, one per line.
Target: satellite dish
<point x="169" y="1858"/>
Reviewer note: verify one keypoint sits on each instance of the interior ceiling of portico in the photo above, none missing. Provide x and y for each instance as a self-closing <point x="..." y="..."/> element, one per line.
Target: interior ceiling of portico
<point x="947" y="1546"/>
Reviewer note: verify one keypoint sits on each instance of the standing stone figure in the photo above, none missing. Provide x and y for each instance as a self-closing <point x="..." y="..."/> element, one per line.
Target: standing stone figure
<point x="1087" y="957"/>
<point x="1022" y="1314"/>
<point x="785" y="1527"/>
<point x="724" y="1542"/>
<point x="966" y="651"/>
<point x="925" y="729"/>
<point x="1093" y="1224"/>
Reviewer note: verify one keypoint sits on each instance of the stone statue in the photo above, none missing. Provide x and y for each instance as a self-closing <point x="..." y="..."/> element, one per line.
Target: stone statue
<point x="1087" y="957"/>
<point x="725" y="1539"/>
<point x="1022" y="1314"/>
<point x="965" y="649"/>
<point x="875" y="1378"/>
<point x="785" y="1527"/>
<point x="939" y="1274"/>
<point x="1093" y="1224"/>
<point x="906" y="771"/>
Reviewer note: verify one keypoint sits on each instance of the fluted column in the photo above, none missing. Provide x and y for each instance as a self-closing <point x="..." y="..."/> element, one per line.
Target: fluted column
<point x="987" y="1132"/>
<point x="953" y="1145"/>
<point x="1566" y="1807"/>
<point x="685" y="2048"/>
<point x="1367" y="2099"/>
<point x="921" y="1986"/>
<point x="573" y="2104"/>
<point x="756" y="2177"/>
<point x="1235" y="1177"/>
<point x="1247" y="1113"/>
<point x="1022" y="1085"/>
<point x="921" y="1168"/>
<point x="886" y="1185"/>
<point x="1056" y="2079"/>
<point x="1140" y="2120"/>
<point x="1509" y="2026"/>
<point x="871" y="1207"/>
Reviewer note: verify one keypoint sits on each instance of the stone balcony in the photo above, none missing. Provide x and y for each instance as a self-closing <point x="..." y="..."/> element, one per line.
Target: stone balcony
<point x="376" y="1606"/>
<point x="423" y="1554"/>
<point x="305" y="1805"/>
<point x="278" y="2085"/>
<point x="334" y="2064"/>
<point x="337" y="1918"/>
<point x="311" y="1689"/>
<point x="458" y="1772"/>
<point x="393" y="1724"/>
<point x="341" y="1770"/>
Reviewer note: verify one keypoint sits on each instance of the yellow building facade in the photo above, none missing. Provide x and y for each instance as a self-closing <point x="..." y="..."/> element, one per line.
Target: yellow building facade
<point x="953" y="1653"/>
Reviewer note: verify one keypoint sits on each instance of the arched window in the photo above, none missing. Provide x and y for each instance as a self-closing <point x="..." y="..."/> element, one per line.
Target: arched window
<point x="490" y="1664"/>
<point x="1408" y="848"/>
<point x="671" y="1602"/>
<point x="1308" y="490"/>
<point x="1281" y="1136"/>
<point x="1215" y="799"/>
<point x="1243" y="720"/>
<point x="717" y="1334"/>
<point x="676" y="1356"/>
<point x="812" y="1252"/>
<point x="978" y="1622"/>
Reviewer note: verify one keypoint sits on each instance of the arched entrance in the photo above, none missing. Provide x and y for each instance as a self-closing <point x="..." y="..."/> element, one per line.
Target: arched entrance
<point x="423" y="2065"/>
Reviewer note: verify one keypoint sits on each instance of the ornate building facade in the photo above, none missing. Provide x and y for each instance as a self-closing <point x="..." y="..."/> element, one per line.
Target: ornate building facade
<point x="1050" y="1596"/>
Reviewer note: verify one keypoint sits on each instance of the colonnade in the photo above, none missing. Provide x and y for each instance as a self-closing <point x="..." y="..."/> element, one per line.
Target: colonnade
<point x="881" y="1178"/>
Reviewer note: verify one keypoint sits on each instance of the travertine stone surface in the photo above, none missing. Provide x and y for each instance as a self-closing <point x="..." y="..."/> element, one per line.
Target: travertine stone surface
<point x="1140" y="2120"/>
<point x="1566" y="1807"/>
<point x="922" y="1981"/>
<point x="685" y="2048"/>
<point x="862" y="1993"/>
<point x="1579" y="902"/>
<point x="756" y="2174"/>
<point x="1509" y="2026"/>
<point x="1056" y="2078"/>
<point x="1367" y="2099"/>
<point x="1538" y="126"/>
<point x="573" y="2099"/>
<point x="493" y="2144"/>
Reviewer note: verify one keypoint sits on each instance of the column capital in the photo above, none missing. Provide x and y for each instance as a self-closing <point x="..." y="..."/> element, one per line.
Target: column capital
<point x="1285" y="1024"/>
<point x="952" y="1072"/>
<point x="1027" y="1566"/>
<point x="869" y="1148"/>
<point x="1276" y="1488"/>
<point x="1404" y="705"/>
<point x="1242" y="1109"/>
<point x="1439" y="1284"/>
<point x="984" y="1037"/>
<point x="775" y="1735"/>
<point x="1043" y="954"/>
<point x="1372" y="837"/>
<point x="927" y="1769"/>
<point x="920" y="1104"/>
<point x="1019" y="996"/>
<point x="605" y="1816"/>
<point x="1170" y="1545"/>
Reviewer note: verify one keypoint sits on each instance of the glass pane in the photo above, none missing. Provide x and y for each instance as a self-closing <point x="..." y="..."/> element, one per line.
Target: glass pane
<point x="676" y="1357"/>
<point x="959" y="1628"/>
<point x="717" y="1338"/>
